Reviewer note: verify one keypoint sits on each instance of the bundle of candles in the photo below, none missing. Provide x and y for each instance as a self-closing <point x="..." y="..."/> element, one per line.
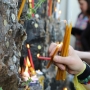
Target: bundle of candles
<point x="61" y="75"/>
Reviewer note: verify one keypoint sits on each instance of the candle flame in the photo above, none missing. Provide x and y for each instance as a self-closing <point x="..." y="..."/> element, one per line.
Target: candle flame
<point x="60" y="12"/>
<point x="65" y="89"/>
<point x="30" y="0"/>
<point x="55" y="9"/>
<point x="28" y="62"/>
<point x="38" y="55"/>
<point x="32" y="71"/>
<point x="26" y="69"/>
<point x="28" y="46"/>
<point x="65" y="21"/>
<point x="59" y="1"/>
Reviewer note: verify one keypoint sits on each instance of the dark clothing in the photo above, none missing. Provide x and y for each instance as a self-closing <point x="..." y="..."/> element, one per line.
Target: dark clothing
<point x="81" y="25"/>
<point x="76" y="31"/>
<point x="85" y="38"/>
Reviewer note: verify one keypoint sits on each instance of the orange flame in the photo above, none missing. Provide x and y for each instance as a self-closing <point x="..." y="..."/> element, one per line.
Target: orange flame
<point x="28" y="62"/>
<point x="30" y="0"/>
<point x="32" y="71"/>
<point x="55" y="9"/>
<point x="28" y="46"/>
<point x="60" y="12"/>
<point x="65" y="89"/>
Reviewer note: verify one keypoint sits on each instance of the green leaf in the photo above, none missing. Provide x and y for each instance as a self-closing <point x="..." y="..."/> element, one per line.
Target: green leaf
<point x="1" y="88"/>
<point x="27" y="82"/>
<point x="33" y="10"/>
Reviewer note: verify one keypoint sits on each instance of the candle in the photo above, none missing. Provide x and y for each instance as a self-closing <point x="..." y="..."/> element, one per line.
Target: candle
<point x="30" y="56"/>
<point x="61" y="75"/>
<point x="21" y="9"/>
<point x="50" y="7"/>
<point x="43" y="58"/>
<point x="31" y="5"/>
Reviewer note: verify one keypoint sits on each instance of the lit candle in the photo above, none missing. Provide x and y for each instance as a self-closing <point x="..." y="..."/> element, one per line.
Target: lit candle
<point x="21" y="9"/>
<point x="43" y="58"/>
<point x="31" y="5"/>
<point x="30" y="56"/>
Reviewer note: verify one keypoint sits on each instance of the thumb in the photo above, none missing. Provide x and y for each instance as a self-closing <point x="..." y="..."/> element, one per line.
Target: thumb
<point x="62" y="60"/>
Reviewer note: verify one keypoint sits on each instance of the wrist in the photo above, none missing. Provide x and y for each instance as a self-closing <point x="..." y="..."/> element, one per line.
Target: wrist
<point x="82" y="69"/>
<point x="84" y="76"/>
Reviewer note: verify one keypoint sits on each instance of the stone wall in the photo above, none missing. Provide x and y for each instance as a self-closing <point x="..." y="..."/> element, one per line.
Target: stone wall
<point x="12" y="36"/>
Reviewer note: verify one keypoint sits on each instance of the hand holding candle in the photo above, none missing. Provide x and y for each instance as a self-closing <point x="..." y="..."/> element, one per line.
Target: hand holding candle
<point x="61" y="74"/>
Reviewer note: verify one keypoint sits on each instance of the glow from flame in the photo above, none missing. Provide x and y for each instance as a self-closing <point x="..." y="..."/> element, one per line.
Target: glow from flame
<point x="19" y="70"/>
<point x="38" y="55"/>
<point x="28" y="46"/>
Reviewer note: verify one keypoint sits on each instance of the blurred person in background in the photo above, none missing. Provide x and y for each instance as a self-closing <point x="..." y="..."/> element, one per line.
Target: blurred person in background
<point x="82" y="19"/>
<point x="82" y="29"/>
<point x="85" y="37"/>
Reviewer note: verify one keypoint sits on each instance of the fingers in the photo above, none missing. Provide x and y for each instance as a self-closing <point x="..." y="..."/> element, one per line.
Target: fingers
<point x="53" y="47"/>
<point x="61" y="66"/>
<point x="62" y="60"/>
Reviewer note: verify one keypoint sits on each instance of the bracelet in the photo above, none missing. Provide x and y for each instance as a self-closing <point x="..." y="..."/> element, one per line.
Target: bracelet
<point x="84" y="78"/>
<point x="85" y="81"/>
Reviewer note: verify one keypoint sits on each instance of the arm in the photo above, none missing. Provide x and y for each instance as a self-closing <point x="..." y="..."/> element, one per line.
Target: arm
<point x="85" y="56"/>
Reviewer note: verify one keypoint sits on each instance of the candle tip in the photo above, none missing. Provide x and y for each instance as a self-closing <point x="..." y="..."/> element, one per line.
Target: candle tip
<point x="28" y="46"/>
<point x="38" y="55"/>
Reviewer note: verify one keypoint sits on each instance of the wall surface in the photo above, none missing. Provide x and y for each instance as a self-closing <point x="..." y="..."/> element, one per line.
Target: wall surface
<point x="70" y="10"/>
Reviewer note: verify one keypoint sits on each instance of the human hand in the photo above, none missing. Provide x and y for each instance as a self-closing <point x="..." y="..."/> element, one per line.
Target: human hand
<point x="73" y="63"/>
